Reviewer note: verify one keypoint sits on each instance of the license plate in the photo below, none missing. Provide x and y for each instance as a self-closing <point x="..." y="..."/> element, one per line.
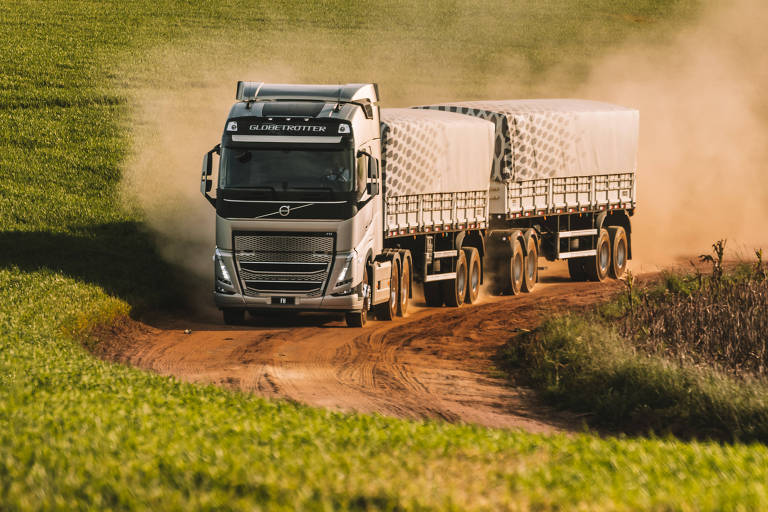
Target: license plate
<point x="283" y="301"/>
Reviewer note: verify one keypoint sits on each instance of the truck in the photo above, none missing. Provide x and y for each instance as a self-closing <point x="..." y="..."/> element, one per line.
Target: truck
<point x="327" y="202"/>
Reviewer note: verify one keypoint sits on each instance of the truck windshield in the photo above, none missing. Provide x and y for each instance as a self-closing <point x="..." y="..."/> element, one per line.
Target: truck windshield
<point x="287" y="169"/>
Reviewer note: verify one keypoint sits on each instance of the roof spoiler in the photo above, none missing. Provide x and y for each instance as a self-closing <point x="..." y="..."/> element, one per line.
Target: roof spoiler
<point x="259" y="91"/>
<point x="247" y="91"/>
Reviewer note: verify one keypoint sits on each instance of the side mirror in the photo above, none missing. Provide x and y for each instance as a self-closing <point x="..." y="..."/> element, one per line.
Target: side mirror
<point x="205" y="182"/>
<point x="373" y="188"/>
<point x="373" y="168"/>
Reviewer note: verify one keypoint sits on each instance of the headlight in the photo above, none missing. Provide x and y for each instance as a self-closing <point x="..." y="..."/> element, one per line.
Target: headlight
<point x="222" y="274"/>
<point x="344" y="271"/>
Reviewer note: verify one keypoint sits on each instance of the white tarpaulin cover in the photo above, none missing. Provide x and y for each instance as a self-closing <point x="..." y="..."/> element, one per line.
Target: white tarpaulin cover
<point x="556" y="137"/>
<point x="425" y="151"/>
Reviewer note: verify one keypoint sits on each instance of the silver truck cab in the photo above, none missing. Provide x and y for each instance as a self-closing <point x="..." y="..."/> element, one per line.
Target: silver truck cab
<point x="298" y="198"/>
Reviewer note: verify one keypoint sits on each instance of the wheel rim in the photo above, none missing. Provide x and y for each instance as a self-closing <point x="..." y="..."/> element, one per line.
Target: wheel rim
<point x="530" y="267"/>
<point x="393" y="294"/>
<point x="404" y="287"/>
<point x="461" y="280"/>
<point x="517" y="268"/>
<point x="366" y="295"/>
<point x="621" y="254"/>
<point x="474" y="278"/>
<point x="604" y="256"/>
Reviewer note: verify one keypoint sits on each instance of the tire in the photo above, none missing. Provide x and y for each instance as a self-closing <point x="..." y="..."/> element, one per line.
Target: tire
<point x="577" y="269"/>
<point x="514" y="268"/>
<point x="619" y="251"/>
<point x="405" y="287"/>
<point x="474" y="274"/>
<point x="360" y="318"/>
<point x="433" y="294"/>
<point x="531" y="266"/>
<point x="454" y="290"/>
<point x="233" y="316"/>
<point x="388" y="310"/>
<point x="597" y="266"/>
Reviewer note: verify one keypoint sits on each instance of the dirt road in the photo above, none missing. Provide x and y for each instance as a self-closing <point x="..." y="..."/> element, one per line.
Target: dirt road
<point x="435" y="363"/>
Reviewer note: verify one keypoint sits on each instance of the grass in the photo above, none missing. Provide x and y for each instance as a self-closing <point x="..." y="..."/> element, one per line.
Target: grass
<point x="684" y="357"/>
<point x="78" y="433"/>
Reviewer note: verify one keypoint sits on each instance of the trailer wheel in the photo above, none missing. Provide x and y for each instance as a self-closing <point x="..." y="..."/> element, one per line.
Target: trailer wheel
<point x="359" y="318"/>
<point x="388" y="310"/>
<point x="597" y="267"/>
<point x="433" y="294"/>
<point x="454" y="290"/>
<point x="474" y="273"/>
<point x="618" y="251"/>
<point x="233" y="316"/>
<point x="405" y="284"/>
<point x="531" y="273"/>
<point x="514" y="269"/>
<point x="577" y="269"/>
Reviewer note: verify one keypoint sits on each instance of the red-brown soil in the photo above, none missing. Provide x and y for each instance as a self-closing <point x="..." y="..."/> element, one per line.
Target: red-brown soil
<point x="434" y="363"/>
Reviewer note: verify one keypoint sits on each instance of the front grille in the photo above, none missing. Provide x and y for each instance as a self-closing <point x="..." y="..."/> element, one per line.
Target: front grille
<point x="285" y="263"/>
<point x="287" y="257"/>
<point x="282" y="267"/>
<point x="283" y="276"/>
<point x="284" y="243"/>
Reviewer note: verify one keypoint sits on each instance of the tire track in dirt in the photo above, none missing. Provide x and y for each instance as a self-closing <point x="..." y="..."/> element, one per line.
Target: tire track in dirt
<point x="435" y="363"/>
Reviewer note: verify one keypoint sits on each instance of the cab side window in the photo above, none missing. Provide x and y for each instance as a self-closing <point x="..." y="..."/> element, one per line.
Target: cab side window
<point x="362" y="174"/>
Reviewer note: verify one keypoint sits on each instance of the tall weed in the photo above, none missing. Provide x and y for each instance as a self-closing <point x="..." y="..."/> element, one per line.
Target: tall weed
<point x="719" y="320"/>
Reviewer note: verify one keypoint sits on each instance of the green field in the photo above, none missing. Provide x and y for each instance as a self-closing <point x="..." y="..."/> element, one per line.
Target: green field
<point x="78" y="433"/>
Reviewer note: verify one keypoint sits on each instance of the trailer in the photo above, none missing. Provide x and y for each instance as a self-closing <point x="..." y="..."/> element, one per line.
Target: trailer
<point x="563" y="175"/>
<point x="326" y="202"/>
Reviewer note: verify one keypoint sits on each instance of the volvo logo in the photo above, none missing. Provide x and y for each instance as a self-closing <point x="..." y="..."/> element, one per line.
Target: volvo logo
<point x="284" y="210"/>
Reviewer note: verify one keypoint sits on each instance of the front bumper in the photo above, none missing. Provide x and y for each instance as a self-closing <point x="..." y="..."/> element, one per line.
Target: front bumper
<point x="352" y="302"/>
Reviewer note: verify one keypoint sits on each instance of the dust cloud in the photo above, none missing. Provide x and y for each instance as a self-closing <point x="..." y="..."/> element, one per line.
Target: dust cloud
<point x="703" y="163"/>
<point x="172" y="129"/>
<point x="704" y="125"/>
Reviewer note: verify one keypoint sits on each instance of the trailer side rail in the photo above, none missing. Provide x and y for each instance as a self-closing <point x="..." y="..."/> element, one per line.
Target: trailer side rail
<point x="434" y="213"/>
<point x="573" y="194"/>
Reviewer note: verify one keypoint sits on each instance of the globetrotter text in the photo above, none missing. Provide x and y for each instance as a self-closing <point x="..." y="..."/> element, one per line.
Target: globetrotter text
<point x="286" y="128"/>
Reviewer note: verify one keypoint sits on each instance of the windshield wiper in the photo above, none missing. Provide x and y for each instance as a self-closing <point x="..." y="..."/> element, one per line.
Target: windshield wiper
<point x="265" y="187"/>
<point x="328" y="189"/>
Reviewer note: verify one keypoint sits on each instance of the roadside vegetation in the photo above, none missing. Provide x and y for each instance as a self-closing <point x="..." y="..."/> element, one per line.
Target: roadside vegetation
<point x="79" y="433"/>
<point x="686" y="355"/>
<point x="718" y="320"/>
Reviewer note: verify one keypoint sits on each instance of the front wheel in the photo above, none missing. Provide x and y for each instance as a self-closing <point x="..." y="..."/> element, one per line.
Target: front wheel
<point x="360" y="318"/>
<point x="405" y="287"/>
